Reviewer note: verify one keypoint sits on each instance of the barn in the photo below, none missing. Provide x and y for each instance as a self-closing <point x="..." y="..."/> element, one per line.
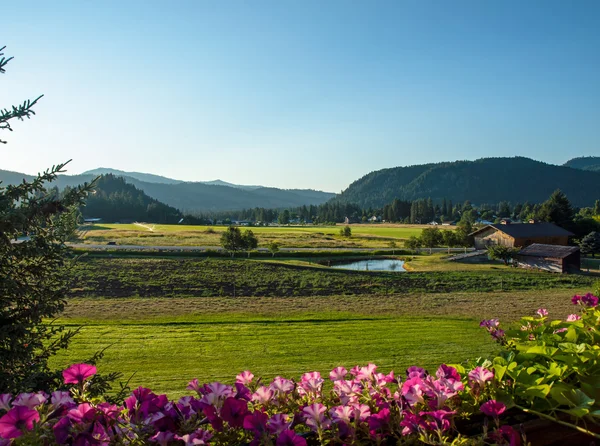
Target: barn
<point x="516" y="235"/>
<point x="554" y="258"/>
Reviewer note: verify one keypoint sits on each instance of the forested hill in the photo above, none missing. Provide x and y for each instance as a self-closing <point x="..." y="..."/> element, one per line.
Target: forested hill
<point x="115" y="200"/>
<point x="487" y="180"/>
<point x="193" y="197"/>
<point x="585" y="163"/>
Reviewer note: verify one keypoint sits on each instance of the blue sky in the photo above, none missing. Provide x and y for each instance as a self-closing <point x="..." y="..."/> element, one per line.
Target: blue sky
<point x="299" y="93"/>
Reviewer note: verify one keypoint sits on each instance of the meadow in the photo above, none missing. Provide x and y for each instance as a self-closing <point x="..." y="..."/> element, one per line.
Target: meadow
<point x="318" y="237"/>
<point x="168" y="320"/>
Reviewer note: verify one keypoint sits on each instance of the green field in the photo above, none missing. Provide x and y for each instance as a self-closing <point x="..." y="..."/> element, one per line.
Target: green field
<point x="169" y="320"/>
<point x="363" y="236"/>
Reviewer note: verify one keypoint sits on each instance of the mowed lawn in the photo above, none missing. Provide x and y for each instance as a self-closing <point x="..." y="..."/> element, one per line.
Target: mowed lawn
<point x="363" y="236"/>
<point x="165" y="354"/>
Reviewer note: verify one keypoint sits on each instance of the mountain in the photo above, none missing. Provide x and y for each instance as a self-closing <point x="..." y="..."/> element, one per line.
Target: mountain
<point x="199" y="197"/>
<point x="116" y="200"/>
<point x="487" y="180"/>
<point x="151" y="178"/>
<point x="585" y="163"/>
<point x="147" y="177"/>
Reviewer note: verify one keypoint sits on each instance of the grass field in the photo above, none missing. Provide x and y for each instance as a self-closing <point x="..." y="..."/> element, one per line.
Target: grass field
<point x="167" y="342"/>
<point x="210" y="277"/>
<point x="363" y="236"/>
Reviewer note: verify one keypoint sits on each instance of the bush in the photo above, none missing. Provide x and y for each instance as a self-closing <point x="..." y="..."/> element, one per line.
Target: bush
<point x="346" y="231"/>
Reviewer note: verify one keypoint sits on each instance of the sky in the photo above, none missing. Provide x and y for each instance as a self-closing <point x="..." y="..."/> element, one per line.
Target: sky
<point x="298" y="94"/>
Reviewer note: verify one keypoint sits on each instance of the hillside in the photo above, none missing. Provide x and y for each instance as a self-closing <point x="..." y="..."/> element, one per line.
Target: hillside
<point x="585" y="163"/>
<point x="487" y="180"/>
<point x="200" y="197"/>
<point x="116" y="200"/>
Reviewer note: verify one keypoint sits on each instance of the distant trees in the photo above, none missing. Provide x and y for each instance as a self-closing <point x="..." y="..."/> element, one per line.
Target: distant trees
<point x="232" y="240"/>
<point x="590" y="244"/>
<point x="284" y="217"/>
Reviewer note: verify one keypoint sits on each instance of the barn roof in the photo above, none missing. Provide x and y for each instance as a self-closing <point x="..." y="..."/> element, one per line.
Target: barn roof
<point x="552" y="251"/>
<point x="529" y="230"/>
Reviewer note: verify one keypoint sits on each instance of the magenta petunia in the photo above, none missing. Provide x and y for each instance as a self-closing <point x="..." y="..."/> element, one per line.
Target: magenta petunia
<point x="542" y="312"/>
<point x="589" y="300"/>
<point x="78" y="373"/>
<point x="290" y="438"/>
<point x="493" y="408"/>
<point x="234" y="411"/>
<point x="16" y="420"/>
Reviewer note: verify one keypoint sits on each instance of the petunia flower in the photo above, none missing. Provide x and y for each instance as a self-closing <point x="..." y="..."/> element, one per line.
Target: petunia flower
<point x="412" y="424"/>
<point x="441" y="419"/>
<point x="290" y="438"/>
<point x="366" y="373"/>
<point x="412" y="391"/>
<point x="542" y="312"/>
<point x="78" y="373"/>
<point x="245" y="377"/>
<point x="341" y="414"/>
<point x="590" y="300"/>
<point x="279" y="423"/>
<point x="314" y="416"/>
<point x="573" y="317"/>
<point x="197" y="438"/>
<point x="30" y="400"/>
<point x="263" y="395"/>
<point x="338" y="373"/>
<point x="256" y="422"/>
<point x="415" y="371"/>
<point x="163" y="438"/>
<point x="493" y="408"/>
<point x="5" y="399"/>
<point x="62" y="399"/>
<point x="560" y="330"/>
<point x="479" y="376"/>
<point x="445" y="371"/>
<point x="234" y="411"/>
<point x="16" y="421"/>
<point x="281" y="385"/>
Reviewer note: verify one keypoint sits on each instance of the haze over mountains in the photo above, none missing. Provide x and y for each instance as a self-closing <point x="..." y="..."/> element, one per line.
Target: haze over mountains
<point x="487" y="180"/>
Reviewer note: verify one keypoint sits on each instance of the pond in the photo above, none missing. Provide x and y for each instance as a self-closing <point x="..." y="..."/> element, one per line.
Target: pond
<point x="373" y="265"/>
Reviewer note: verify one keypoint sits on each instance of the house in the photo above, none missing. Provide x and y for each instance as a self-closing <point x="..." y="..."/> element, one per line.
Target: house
<point x="375" y="219"/>
<point x="554" y="258"/>
<point x="448" y="223"/>
<point x="517" y="235"/>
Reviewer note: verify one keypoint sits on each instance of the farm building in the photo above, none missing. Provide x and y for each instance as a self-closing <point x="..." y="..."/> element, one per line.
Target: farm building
<point x="554" y="258"/>
<point x="517" y="235"/>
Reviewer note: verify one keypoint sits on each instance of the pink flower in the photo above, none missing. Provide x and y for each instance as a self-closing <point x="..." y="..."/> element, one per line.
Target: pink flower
<point x="415" y="371"/>
<point x="412" y="391"/>
<point x="590" y="300"/>
<point x="193" y="385"/>
<point x="479" y="376"/>
<point x="412" y="423"/>
<point x="279" y="423"/>
<point x="560" y="330"/>
<point x="5" y="399"/>
<point x="234" y="411"/>
<point x="573" y="317"/>
<point x="338" y="373"/>
<point x="198" y="438"/>
<point x="542" y="312"/>
<point x="281" y="385"/>
<point x="493" y="408"/>
<point x="16" y="420"/>
<point x="290" y="438"/>
<point x="379" y="422"/>
<point x="576" y="299"/>
<point x="341" y="414"/>
<point x="163" y="438"/>
<point x="30" y="400"/>
<point x="256" y="422"/>
<point x="62" y="399"/>
<point x="216" y="393"/>
<point x="262" y="395"/>
<point x="445" y="371"/>
<point x="506" y="435"/>
<point x="361" y="412"/>
<point x="314" y="416"/>
<point x="245" y="377"/>
<point x="440" y="419"/>
<point x="366" y="373"/>
<point x="78" y="373"/>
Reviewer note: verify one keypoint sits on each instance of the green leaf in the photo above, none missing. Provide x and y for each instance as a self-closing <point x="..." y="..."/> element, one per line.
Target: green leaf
<point x="538" y="391"/>
<point x="541" y="350"/>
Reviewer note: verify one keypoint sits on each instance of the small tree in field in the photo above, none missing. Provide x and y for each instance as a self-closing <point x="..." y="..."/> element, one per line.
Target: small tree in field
<point x="346" y="231"/>
<point x="250" y="241"/>
<point x="232" y="240"/>
<point x="504" y="253"/>
<point x="413" y="242"/>
<point x="274" y="248"/>
<point x="431" y="237"/>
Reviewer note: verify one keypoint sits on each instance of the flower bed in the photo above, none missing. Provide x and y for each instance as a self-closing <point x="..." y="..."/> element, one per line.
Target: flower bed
<point x="548" y="369"/>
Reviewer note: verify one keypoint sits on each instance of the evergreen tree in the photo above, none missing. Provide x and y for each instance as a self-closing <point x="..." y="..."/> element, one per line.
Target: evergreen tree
<point x="597" y="207"/>
<point x="590" y="244"/>
<point x="558" y="210"/>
